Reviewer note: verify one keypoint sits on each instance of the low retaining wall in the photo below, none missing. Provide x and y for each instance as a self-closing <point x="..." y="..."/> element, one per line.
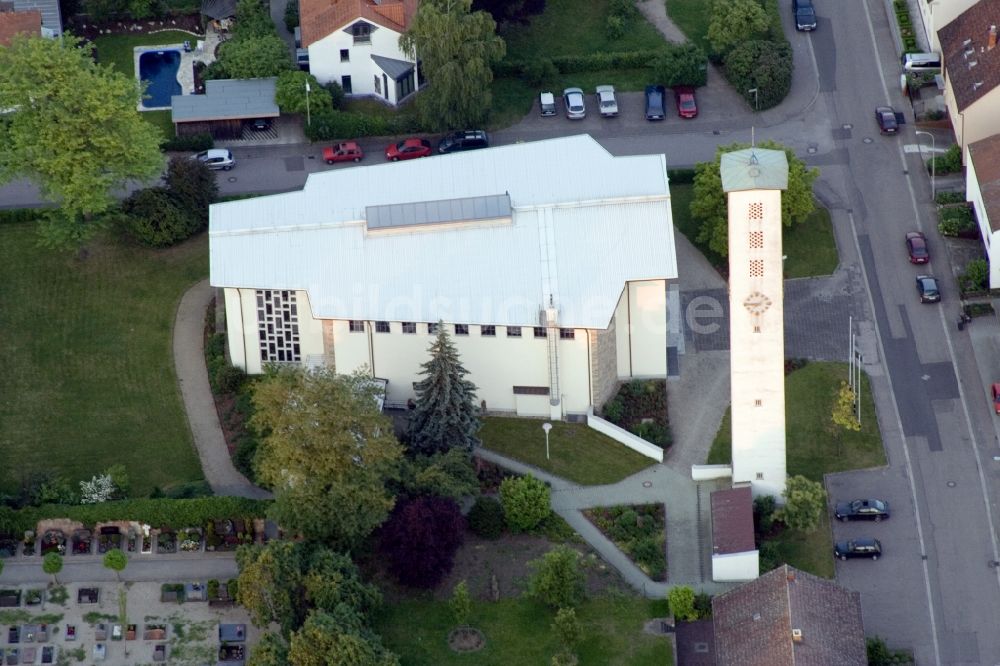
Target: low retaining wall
<point x="707" y="472"/>
<point x="624" y="437"/>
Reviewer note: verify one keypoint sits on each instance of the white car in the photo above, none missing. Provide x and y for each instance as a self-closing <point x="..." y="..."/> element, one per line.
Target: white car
<point x="573" y="99"/>
<point x="217" y="158"/>
<point x="606" y="101"/>
<point x="547" y="103"/>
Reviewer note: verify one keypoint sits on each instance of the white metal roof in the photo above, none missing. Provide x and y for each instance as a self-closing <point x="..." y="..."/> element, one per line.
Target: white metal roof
<point x="583" y="224"/>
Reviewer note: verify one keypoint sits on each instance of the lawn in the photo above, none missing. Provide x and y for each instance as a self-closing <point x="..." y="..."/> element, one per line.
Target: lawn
<point x="89" y="378"/>
<point x="809" y="246"/>
<point x="118" y="50"/>
<point x="160" y="120"/>
<point x="578" y="453"/>
<point x="812" y="551"/>
<point x="519" y="631"/>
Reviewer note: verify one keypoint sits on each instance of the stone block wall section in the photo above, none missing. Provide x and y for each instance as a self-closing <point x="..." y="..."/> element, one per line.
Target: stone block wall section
<point x="603" y="364"/>
<point x="624" y="437"/>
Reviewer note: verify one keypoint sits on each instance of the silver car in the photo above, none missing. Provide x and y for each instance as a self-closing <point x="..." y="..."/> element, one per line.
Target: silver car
<point x="606" y="101"/>
<point x="573" y="99"/>
<point x="217" y="158"/>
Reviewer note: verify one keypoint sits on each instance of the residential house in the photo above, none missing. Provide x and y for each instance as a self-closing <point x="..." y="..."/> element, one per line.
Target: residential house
<point x="972" y="72"/>
<point x="936" y="13"/>
<point x="356" y="44"/>
<point x="14" y="23"/>
<point x="982" y="189"/>
<point x="788" y="617"/>
<point x="548" y="263"/>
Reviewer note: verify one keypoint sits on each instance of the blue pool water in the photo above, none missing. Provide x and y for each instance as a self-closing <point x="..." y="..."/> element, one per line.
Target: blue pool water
<point x="160" y="69"/>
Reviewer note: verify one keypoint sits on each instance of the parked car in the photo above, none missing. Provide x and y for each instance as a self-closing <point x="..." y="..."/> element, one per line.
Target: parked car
<point x="347" y="151"/>
<point x="995" y="394"/>
<point x="408" y="149"/>
<point x="858" y="548"/>
<point x="606" y="101"/>
<point x="916" y="247"/>
<point x="862" y="509"/>
<point x="885" y="116"/>
<point x="467" y="140"/>
<point x="805" y="14"/>
<point x="575" y="108"/>
<point x="656" y="107"/>
<point x="261" y="124"/>
<point x="547" y="103"/>
<point x="927" y="288"/>
<point x="217" y="158"/>
<point x="687" y="107"/>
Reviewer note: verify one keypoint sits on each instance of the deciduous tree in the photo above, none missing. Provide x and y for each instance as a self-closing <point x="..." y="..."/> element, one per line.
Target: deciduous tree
<point x="681" y="600"/>
<point x="116" y="560"/>
<point x="448" y="474"/>
<point x="290" y="93"/>
<point x="457" y="49"/>
<point x="327" y="453"/>
<point x="681" y="65"/>
<point x="420" y="540"/>
<point x="271" y="650"/>
<point x="323" y="640"/>
<point x="734" y="22"/>
<point x="805" y="502"/>
<point x="567" y="628"/>
<point x="74" y="130"/>
<point x="52" y="564"/>
<point x="761" y="65"/>
<point x="460" y="604"/>
<point x="557" y="580"/>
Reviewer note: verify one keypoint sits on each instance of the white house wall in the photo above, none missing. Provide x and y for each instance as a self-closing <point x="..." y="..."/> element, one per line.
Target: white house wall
<point x="736" y="566"/>
<point x="641" y="324"/>
<point x="974" y="194"/>
<point x="325" y="64"/>
<point x="978" y="121"/>
<point x="244" y="340"/>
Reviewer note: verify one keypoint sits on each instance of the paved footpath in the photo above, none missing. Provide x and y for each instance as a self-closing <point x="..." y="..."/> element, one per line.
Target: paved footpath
<point x="90" y="568"/>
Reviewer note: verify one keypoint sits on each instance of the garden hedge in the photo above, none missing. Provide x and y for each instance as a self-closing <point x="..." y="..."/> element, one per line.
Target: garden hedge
<point x="586" y="62"/>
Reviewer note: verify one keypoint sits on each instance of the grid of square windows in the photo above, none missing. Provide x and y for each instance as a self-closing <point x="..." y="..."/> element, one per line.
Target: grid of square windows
<point x="513" y="331"/>
<point x="567" y="334"/>
<point x="461" y="329"/>
<point x="356" y="326"/>
<point x="278" y="326"/>
<point x="381" y="327"/>
<point x="488" y="331"/>
<point x="409" y="327"/>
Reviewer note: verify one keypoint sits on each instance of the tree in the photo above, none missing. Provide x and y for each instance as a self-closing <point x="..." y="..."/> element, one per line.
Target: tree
<point x="290" y="93"/>
<point x="805" y="502"/>
<point x="270" y="650"/>
<point x="322" y="640"/>
<point x="709" y="205"/>
<point x="486" y="518"/>
<point x="557" y="580"/>
<point x="420" y="539"/>
<point x="460" y="604"/>
<point x="327" y="453"/>
<point x="843" y="413"/>
<point x="445" y="415"/>
<point x="681" y="65"/>
<point x="448" y="474"/>
<point x="681" y="601"/>
<point x="525" y="502"/>
<point x="75" y="132"/>
<point x="457" y="49"/>
<point x="764" y="66"/>
<point x="116" y="560"/>
<point x="193" y="187"/>
<point x="254" y="58"/>
<point x="567" y="628"/>
<point x="734" y="22"/>
<point x="52" y="564"/>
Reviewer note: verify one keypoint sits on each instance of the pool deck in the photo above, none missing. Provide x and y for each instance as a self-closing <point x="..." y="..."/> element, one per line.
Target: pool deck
<point x="202" y="50"/>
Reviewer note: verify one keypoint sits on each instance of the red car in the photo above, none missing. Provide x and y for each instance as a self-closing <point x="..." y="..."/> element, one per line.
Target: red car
<point x="916" y="247"/>
<point x="995" y="391"/>
<point x="348" y="151"/>
<point x="408" y="149"/>
<point x="687" y="107"/>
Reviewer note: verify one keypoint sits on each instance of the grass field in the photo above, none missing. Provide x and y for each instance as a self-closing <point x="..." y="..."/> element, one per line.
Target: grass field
<point x="692" y="17"/>
<point x="118" y="50"/>
<point x="89" y="376"/>
<point x="161" y="120"/>
<point x="519" y="632"/>
<point x="578" y="453"/>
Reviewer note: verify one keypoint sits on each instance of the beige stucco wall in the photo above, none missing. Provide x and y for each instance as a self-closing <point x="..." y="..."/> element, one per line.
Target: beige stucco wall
<point x="641" y="322"/>
<point x="978" y="121"/>
<point x="991" y="239"/>
<point x="241" y="324"/>
<point x="325" y="64"/>
<point x="937" y="14"/>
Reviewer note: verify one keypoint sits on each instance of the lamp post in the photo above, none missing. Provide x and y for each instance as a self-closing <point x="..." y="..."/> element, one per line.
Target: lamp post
<point x="308" y="116"/>
<point x="756" y="104"/>
<point x="546" y="427"/>
<point x="933" y="160"/>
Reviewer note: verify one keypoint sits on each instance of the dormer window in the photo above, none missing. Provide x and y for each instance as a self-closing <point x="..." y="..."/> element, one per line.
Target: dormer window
<point x="362" y="32"/>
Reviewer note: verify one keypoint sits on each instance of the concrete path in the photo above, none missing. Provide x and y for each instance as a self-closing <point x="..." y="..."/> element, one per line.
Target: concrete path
<point x="192" y="377"/>
<point x="90" y="568"/>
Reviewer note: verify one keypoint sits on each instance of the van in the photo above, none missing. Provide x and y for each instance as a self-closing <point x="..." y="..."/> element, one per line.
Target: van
<point x="467" y="140"/>
<point x="921" y="62"/>
<point x="547" y="103"/>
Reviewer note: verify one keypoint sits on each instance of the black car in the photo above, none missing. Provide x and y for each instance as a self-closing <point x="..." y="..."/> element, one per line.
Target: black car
<point x="862" y="509"/>
<point x="885" y="116"/>
<point x="656" y="102"/>
<point x="467" y="140"/>
<point x="927" y="287"/>
<point x="805" y="14"/>
<point x="261" y="124"/>
<point x="858" y="548"/>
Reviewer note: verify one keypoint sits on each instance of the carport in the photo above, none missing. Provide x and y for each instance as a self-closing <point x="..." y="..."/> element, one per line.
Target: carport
<point x="224" y="108"/>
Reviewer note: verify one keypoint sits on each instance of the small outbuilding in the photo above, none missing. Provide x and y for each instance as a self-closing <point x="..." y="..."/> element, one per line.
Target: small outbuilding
<point x="734" y="553"/>
<point x="224" y="109"/>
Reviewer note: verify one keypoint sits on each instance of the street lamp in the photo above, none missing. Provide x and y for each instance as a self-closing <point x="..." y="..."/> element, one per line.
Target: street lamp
<point x="308" y="116"/>
<point x="933" y="160"/>
<point x="546" y="427"/>
<point x="756" y="104"/>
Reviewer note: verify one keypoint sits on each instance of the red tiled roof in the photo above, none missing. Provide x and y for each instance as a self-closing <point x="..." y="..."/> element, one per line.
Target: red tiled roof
<point x="971" y="65"/>
<point x="985" y="158"/>
<point x="732" y="521"/>
<point x="319" y="18"/>
<point x="15" y="23"/>
<point x="754" y="623"/>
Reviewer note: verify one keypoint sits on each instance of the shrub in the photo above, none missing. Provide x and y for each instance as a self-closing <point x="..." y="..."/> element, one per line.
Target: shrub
<point x="763" y="514"/>
<point x="525" y="502"/>
<point x="681" y="600"/>
<point x="648" y="553"/>
<point x="805" y="502"/>
<point x="15" y="215"/>
<point x="955" y="220"/>
<point x="486" y="518"/>
<point x="291" y="15"/>
<point x="614" y="409"/>
<point x="557" y="580"/>
<point x="539" y="71"/>
<point x="977" y="275"/>
<point x="193" y="187"/>
<point x="614" y="27"/>
<point x="678" y="176"/>
<point x="703" y="605"/>
<point x="232" y="587"/>
<point x="949" y="162"/>
<point x="194" y="142"/>
<point x="949" y="198"/>
<point x="681" y="65"/>
<point x="654" y="433"/>
<point x="420" y="539"/>
<point x="586" y="62"/>
<point x="770" y="556"/>
<point x="623" y="9"/>
<point x="763" y="65"/>
<point x="291" y="97"/>
<point x="213" y="588"/>
<point x="245" y="454"/>
<point x="336" y="94"/>
<point x="229" y="379"/>
<point x="153" y="217"/>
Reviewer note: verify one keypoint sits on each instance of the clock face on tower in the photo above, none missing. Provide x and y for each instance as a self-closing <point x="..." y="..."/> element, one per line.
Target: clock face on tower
<point x="757" y="303"/>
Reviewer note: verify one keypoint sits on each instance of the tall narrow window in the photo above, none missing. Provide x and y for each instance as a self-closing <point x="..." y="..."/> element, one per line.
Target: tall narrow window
<point x="278" y="326"/>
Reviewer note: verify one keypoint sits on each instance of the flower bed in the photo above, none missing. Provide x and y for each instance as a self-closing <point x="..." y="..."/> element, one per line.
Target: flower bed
<point x="166" y="542"/>
<point x="189" y="539"/>
<point x="638" y="531"/>
<point x="82" y="542"/>
<point x="640" y="407"/>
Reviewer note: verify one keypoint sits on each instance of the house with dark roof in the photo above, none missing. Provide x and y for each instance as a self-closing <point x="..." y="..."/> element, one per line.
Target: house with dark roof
<point x="982" y="190"/>
<point x="356" y="44"/>
<point x="972" y="72"/>
<point x="935" y="14"/>
<point x="788" y="617"/>
<point x="734" y="553"/>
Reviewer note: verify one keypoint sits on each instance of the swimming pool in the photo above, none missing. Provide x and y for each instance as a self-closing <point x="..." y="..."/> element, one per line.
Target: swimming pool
<point x="160" y="69"/>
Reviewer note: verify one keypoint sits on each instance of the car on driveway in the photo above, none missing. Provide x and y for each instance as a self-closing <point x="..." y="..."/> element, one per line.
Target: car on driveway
<point x="862" y="509"/>
<point x="916" y="247"/>
<point x="606" y="101"/>
<point x="995" y="394"/>
<point x="885" y="116"/>
<point x="656" y="106"/>
<point x="547" y="104"/>
<point x="871" y="548"/>
<point x="217" y="158"/>
<point x="348" y="151"/>
<point x="687" y="107"/>
<point x="927" y="288"/>
<point x="408" y="149"/>
<point x="575" y="108"/>
<point x="466" y="140"/>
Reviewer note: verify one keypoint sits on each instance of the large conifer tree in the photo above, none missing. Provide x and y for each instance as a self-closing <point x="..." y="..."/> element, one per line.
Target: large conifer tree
<point x="445" y="416"/>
